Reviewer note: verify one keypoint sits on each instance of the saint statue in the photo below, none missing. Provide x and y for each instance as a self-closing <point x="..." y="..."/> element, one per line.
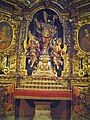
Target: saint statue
<point x="47" y="31"/>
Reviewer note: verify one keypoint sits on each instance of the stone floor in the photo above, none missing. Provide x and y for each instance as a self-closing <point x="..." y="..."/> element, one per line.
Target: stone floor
<point x="42" y="115"/>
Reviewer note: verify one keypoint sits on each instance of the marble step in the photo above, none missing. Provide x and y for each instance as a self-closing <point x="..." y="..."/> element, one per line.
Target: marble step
<point x="46" y="85"/>
<point x="44" y="82"/>
<point x="43" y="88"/>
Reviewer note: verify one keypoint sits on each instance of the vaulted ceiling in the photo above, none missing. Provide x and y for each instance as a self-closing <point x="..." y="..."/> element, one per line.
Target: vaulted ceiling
<point x="66" y="4"/>
<point x="69" y="5"/>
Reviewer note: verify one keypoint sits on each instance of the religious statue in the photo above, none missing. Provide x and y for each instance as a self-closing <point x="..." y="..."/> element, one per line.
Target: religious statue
<point x="47" y="31"/>
<point x="32" y="51"/>
<point x="58" y="53"/>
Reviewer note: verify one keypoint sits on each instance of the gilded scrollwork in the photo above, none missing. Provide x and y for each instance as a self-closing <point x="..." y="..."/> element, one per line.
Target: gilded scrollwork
<point x="82" y="45"/>
<point x="8" y="43"/>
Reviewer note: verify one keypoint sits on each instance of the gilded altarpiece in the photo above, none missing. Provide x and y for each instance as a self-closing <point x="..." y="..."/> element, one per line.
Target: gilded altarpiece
<point x="27" y="27"/>
<point x="81" y="35"/>
<point x="46" y="77"/>
<point x="9" y="33"/>
<point x="27" y="63"/>
<point x="81" y="67"/>
<point x="38" y="75"/>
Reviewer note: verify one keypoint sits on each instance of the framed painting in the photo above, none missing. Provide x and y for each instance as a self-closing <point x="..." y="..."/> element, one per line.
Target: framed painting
<point x="84" y="38"/>
<point x="6" y="34"/>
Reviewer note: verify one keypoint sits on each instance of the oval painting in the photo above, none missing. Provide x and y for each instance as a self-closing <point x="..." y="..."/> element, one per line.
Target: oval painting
<point x="84" y="38"/>
<point x="6" y="34"/>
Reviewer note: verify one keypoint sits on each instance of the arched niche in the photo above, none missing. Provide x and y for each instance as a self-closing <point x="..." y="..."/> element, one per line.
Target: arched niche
<point x="45" y="30"/>
<point x="47" y="16"/>
<point x="53" y="15"/>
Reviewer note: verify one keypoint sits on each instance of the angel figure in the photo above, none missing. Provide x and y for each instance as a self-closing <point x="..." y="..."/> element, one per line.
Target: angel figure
<point x="32" y="51"/>
<point x="58" y="53"/>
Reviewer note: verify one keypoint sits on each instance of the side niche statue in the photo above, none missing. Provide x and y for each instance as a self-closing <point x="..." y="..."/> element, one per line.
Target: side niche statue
<point x="58" y="57"/>
<point x="32" y="48"/>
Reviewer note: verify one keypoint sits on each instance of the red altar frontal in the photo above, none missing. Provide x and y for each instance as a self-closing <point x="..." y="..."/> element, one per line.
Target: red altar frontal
<point x="42" y="95"/>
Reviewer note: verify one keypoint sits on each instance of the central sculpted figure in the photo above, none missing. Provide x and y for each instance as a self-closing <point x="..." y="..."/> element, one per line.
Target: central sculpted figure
<point x="47" y="31"/>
